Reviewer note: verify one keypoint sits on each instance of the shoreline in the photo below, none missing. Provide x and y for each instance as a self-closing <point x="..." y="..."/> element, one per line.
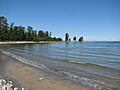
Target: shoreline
<point x="33" y="79"/>
<point x="102" y="77"/>
<point x="26" y="42"/>
<point x="6" y="84"/>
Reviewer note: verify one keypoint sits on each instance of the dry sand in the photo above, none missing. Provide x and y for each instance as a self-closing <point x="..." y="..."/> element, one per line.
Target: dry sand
<point x="30" y="79"/>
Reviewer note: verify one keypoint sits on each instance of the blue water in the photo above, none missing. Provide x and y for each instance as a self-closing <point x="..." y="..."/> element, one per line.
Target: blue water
<point x="95" y="64"/>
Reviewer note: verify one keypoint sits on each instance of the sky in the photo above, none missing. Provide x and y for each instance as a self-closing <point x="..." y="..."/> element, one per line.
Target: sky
<point x="95" y="20"/>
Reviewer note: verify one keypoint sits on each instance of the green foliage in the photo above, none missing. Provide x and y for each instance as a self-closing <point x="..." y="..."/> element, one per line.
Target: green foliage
<point x="3" y="29"/>
<point x="29" y="33"/>
<point x="66" y="36"/>
<point x="19" y="33"/>
<point x="74" y="38"/>
<point x="3" y="22"/>
<point x="69" y="39"/>
<point x="81" y="39"/>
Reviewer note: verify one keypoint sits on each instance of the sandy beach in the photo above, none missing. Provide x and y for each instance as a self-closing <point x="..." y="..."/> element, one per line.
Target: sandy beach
<point x="24" y="42"/>
<point x="31" y="79"/>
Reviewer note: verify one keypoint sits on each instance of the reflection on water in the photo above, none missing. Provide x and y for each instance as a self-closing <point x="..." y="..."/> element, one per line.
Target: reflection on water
<point x="95" y="60"/>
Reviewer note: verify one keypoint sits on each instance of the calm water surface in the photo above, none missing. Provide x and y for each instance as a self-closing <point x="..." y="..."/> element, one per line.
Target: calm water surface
<point x="94" y="64"/>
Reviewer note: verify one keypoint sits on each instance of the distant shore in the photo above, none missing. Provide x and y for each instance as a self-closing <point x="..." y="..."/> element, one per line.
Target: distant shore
<point x="25" y="42"/>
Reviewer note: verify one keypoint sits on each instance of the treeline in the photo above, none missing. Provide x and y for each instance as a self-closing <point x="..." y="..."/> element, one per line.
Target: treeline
<point x="20" y="33"/>
<point x="74" y="38"/>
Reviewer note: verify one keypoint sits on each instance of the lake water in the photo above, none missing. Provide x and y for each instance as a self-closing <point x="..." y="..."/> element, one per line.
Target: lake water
<point x="95" y="64"/>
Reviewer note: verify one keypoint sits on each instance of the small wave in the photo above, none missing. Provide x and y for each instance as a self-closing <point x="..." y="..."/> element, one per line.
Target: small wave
<point x="85" y="81"/>
<point x="77" y="62"/>
<point x="71" y="61"/>
<point x="25" y="61"/>
<point x="93" y="64"/>
<point x="89" y="82"/>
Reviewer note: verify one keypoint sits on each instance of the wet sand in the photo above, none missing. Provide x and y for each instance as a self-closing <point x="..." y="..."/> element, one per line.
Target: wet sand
<point x="31" y="79"/>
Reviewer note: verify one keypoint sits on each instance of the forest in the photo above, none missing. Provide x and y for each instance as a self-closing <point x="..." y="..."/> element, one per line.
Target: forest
<point x="10" y="32"/>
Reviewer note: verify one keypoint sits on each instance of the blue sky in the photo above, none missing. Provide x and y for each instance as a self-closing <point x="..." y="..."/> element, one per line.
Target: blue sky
<point x="97" y="20"/>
